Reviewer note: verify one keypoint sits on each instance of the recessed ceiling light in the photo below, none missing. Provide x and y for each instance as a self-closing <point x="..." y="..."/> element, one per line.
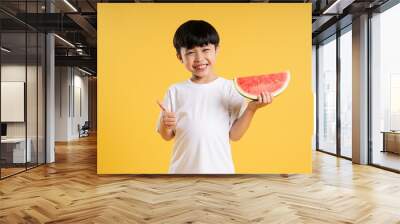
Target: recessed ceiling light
<point x="84" y="71"/>
<point x="64" y="40"/>
<point x="70" y="5"/>
<point x="337" y="7"/>
<point x="5" y="50"/>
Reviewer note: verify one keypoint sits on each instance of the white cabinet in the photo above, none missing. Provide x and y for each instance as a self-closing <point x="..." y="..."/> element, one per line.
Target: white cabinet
<point x="12" y="101"/>
<point x="17" y="146"/>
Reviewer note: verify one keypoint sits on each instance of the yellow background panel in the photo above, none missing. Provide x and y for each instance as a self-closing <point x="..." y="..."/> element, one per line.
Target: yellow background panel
<point x="137" y="63"/>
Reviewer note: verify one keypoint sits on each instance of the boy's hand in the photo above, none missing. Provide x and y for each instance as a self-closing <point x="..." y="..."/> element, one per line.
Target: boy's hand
<point x="169" y="120"/>
<point x="264" y="99"/>
<point x="167" y="123"/>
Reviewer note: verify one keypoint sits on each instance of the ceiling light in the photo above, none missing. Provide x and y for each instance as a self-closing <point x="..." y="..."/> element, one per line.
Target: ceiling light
<point x="337" y="7"/>
<point x="84" y="71"/>
<point x="64" y="40"/>
<point x="5" y="50"/>
<point x="70" y="5"/>
<point x="79" y="51"/>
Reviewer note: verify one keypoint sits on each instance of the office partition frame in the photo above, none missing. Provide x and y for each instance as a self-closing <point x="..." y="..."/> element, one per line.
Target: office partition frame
<point x="43" y="119"/>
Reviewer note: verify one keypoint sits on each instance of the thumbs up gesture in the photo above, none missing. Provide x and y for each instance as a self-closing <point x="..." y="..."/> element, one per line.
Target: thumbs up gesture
<point x="168" y="119"/>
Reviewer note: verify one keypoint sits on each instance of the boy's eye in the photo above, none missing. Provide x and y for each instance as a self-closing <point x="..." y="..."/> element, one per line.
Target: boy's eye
<point x="205" y="50"/>
<point x="190" y="52"/>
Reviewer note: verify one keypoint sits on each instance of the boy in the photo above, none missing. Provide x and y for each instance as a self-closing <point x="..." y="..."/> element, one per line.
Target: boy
<point x="204" y="112"/>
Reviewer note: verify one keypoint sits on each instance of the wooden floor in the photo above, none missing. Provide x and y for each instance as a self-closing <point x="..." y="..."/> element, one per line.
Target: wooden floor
<point x="70" y="191"/>
<point x="387" y="159"/>
<point x="5" y="172"/>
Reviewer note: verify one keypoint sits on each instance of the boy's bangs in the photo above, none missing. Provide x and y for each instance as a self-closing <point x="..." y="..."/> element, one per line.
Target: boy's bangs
<point x="192" y="40"/>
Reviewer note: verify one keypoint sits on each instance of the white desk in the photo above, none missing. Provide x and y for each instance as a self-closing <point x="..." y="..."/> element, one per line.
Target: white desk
<point x="18" y="150"/>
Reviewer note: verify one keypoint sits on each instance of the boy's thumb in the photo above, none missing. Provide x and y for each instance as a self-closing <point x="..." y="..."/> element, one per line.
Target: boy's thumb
<point x="161" y="106"/>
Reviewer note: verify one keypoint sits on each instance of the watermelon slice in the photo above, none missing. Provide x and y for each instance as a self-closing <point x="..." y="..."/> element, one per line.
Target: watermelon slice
<point x="251" y="86"/>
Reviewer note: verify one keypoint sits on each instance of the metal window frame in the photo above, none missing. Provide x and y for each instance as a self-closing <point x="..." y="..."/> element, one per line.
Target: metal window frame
<point x="336" y="38"/>
<point x="387" y="5"/>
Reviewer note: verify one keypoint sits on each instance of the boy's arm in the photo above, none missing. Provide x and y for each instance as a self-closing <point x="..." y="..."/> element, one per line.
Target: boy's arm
<point x="241" y="125"/>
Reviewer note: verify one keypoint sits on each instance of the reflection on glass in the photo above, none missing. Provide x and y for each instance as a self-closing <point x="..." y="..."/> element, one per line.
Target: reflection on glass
<point x="327" y="96"/>
<point x="346" y="93"/>
<point x="23" y="91"/>
<point x="386" y="89"/>
<point x="14" y="153"/>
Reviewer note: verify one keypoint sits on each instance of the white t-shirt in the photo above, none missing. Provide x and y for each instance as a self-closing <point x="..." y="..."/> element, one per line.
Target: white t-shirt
<point x="205" y="114"/>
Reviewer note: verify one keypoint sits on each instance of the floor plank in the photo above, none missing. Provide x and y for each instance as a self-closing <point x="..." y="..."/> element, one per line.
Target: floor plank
<point x="70" y="191"/>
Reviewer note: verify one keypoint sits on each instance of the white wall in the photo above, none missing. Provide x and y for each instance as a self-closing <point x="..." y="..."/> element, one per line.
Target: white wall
<point x="80" y="83"/>
<point x="12" y="73"/>
<point x="62" y="81"/>
<point x="12" y="101"/>
<point x="71" y="87"/>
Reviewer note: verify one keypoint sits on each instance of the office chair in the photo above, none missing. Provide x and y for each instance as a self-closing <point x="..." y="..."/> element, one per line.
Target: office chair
<point x="84" y="130"/>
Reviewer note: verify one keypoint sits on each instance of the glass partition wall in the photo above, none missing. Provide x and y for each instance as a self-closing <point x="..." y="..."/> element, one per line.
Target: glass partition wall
<point x="22" y="88"/>
<point x="334" y="80"/>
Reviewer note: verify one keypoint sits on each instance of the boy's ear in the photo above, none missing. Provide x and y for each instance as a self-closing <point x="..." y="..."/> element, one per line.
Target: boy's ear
<point x="216" y="49"/>
<point x="179" y="57"/>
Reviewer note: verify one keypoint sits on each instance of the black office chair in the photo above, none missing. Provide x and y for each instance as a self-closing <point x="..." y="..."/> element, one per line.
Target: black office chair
<point x="84" y="130"/>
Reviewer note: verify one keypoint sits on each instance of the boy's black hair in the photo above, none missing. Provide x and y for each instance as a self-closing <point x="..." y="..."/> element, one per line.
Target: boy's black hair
<point x="195" y="33"/>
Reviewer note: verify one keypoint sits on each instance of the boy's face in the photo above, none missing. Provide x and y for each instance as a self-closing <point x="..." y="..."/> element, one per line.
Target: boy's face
<point x="199" y="60"/>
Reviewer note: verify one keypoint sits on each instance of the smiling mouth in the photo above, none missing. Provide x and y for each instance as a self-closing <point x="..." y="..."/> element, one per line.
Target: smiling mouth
<point x="200" y="67"/>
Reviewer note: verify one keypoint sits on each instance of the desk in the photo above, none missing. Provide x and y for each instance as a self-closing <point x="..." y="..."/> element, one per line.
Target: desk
<point x="15" y="148"/>
<point x="391" y="141"/>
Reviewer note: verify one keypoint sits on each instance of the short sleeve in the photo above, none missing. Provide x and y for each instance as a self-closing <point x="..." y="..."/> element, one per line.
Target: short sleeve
<point x="167" y="102"/>
<point x="237" y="104"/>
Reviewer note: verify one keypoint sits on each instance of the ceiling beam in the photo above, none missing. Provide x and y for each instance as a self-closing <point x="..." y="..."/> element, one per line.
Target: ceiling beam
<point x="84" y="24"/>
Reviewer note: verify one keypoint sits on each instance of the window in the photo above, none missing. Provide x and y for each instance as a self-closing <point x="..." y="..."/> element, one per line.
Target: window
<point x="385" y="88"/>
<point x="327" y="95"/>
<point x="346" y="75"/>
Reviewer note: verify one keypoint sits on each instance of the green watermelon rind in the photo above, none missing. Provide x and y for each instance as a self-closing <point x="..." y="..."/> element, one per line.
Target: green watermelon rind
<point x="253" y="97"/>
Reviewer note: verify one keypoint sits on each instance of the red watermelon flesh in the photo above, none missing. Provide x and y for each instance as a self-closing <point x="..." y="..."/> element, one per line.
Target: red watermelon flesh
<point x="252" y="86"/>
